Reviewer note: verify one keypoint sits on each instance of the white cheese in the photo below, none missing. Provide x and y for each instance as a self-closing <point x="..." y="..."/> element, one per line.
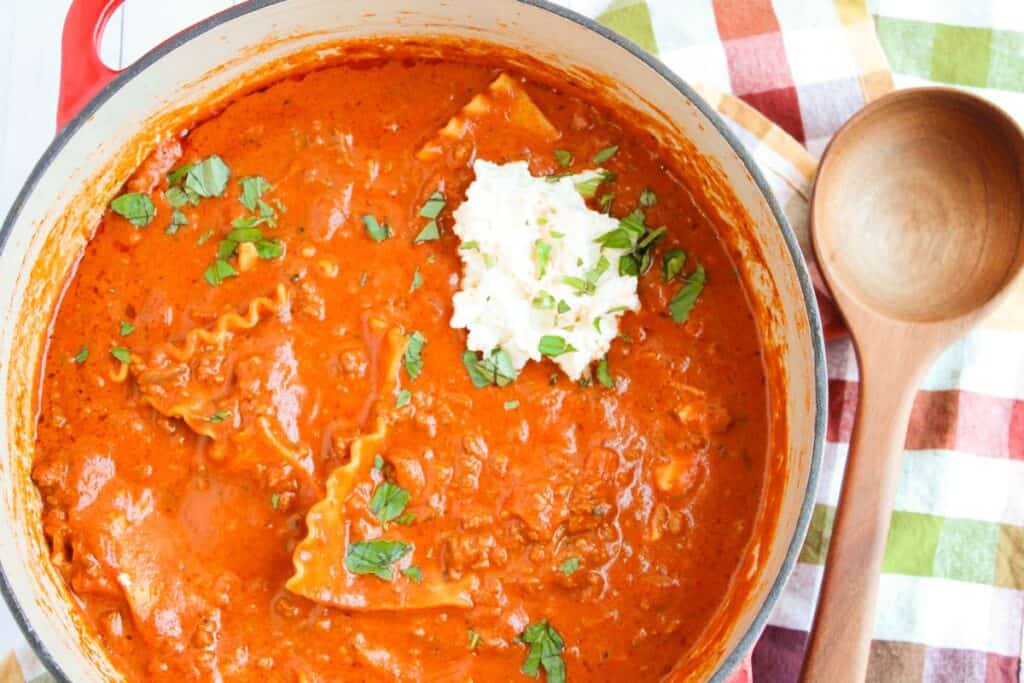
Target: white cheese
<point x="506" y="299"/>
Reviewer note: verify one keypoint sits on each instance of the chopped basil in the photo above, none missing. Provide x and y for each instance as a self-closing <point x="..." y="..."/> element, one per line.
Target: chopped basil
<point x="275" y="499"/>
<point x="208" y="178"/>
<point x="136" y="207"/>
<point x="617" y="309"/>
<point x="543" y="301"/>
<point x="604" y="375"/>
<point x="219" y="416"/>
<point x="470" y="245"/>
<point x="595" y="273"/>
<point x="269" y="249"/>
<point x="474" y="639"/>
<point x="597" y="324"/>
<point x="629" y="265"/>
<point x="405" y="518"/>
<point x="541" y="256"/>
<point x="606" y="201"/>
<point x="563" y="307"/>
<point x="546" y="647"/>
<point x="648" y="198"/>
<point x="497" y="369"/>
<point x="175" y="176"/>
<point x="249" y="221"/>
<point x="581" y="285"/>
<point x="176" y="197"/>
<point x="588" y="187"/>
<point x="683" y="301"/>
<point x="488" y="260"/>
<point x="126" y="328"/>
<point x="178" y="220"/>
<point x="672" y="264"/>
<point x="414" y="573"/>
<point x="375" y="557"/>
<point x="81" y="356"/>
<point x="605" y="154"/>
<point x="570" y="566"/>
<point x="553" y="346"/>
<point x="417" y="281"/>
<point x="403" y="398"/>
<point x="563" y="157"/>
<point x="204" y="237"/>
<point x="377" y="232"/>
<point x="388" y="502"/>
<point x="378" y="462"/>
<point x="413" y="356"/>
<point x="226" y="249"/>
<point x="511" y="405"/>
<point x="253" y="187"/>
<point x="219" y="271"/>
<point x="433" y="206"/>
<point x="429" y="233"/>
<point x="122" y="354"/>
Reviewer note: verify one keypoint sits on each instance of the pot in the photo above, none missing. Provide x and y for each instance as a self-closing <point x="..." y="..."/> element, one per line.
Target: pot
<point x="122" y="120"/>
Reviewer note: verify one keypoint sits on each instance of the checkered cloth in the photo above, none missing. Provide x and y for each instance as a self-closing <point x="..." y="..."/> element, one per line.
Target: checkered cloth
<point x="786" y="74"/>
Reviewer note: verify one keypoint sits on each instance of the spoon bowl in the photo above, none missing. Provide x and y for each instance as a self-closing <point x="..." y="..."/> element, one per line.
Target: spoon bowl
<point x="917" y="221"/>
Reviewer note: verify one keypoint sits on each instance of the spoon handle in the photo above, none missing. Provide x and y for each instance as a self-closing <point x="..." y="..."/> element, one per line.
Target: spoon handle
<point x="841" y="635"/>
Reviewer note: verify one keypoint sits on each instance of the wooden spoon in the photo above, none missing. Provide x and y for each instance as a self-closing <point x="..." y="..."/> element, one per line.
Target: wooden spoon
<point x="917" y="219"/>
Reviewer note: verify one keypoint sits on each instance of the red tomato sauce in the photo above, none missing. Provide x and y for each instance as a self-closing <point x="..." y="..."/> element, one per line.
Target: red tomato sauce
<point x="177" y="473"/>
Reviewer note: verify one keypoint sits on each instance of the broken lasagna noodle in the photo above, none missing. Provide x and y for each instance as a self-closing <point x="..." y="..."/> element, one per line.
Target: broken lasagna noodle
<point x="264" y="453"/>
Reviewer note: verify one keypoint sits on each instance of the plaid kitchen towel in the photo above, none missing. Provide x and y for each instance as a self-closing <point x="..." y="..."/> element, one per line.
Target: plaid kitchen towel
<point x="786" y="74"/>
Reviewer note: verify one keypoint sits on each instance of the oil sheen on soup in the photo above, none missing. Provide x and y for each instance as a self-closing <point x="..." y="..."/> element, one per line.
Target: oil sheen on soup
<point x="266" y="453"/>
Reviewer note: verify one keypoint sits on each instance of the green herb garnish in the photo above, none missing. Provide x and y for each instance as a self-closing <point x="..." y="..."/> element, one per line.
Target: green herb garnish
<point x="208" y="178"/>
<point x="81" y="356"/>
<point x="541" y="257"/>
<point x="178" y="220"/>
<point x="122" y="354"/>
<point x="403" y="398"/>
<point x="376" y="557"/>
<point x="683" y="301"/>
<point x="563" y="157"/>
<point x="672" y="264"/>
<point x="588" y="187"/>
<point x="497" y="369"/>
<point x="377" y="232"/>
<point x="253" y="187"/>
<point x="219" y="416"/>
<point x="388" y="502"/>
<point x="126" y="328"/>
<point x="604" y="375"/>
<point x="433" y="206"/>
<point x="543" y="301"/>
<point x="413" y="356"/>
<point x="275" y="499"/>
<point x="474" y="639"/>
<point x="136" y="207"/>
<point x="553" y="346"/>
<point x="176" y="197"/>
<point x="429" y="233"/>
<point x="378" y="462"/>
<point x="511" y="405"/>
<point x="414" y="573"/>
<point x="570" y="566"/>
<point x="219" y="271"/>
<point x="176" y="176"/>
<point x="417" y="281"/>
<point x="203" y="238"/>
<point x="605" y="154"/>
<point x="648" y="198"/>
<point x="546" y="647"/>
<point x="563" y="307"/>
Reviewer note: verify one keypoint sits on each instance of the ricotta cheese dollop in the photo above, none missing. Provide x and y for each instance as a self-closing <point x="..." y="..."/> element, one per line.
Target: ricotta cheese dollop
<point x="534" y="274"/>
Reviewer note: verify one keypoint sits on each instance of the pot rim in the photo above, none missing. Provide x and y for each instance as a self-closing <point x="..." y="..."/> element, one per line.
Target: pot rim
<point x="753" y="632"/>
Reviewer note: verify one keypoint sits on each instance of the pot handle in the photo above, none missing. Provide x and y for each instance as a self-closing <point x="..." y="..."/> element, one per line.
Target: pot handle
<point x="82" y="73"/>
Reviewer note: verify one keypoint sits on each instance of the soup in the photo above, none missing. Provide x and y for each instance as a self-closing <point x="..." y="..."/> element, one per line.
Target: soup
<point x="268" y="449"/>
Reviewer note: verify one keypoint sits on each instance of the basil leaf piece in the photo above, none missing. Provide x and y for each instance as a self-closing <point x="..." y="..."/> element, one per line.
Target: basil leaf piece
<point x="226" y="249"/>
<point x="122" y="354"/>
<point x="136" y="207"/>
<point x="433" y="206"/>
<point x="604" y="154"/>
<point x="375" y="557"/>
<point x="648" y="198"/>
<point x="563" y="157"/>
<point x="511" y="405"/>
<point x="125" y="328"/>
<point x="672" y="264"/>
<point x="406" y="518"/>
<point x="474" y="639"/>
<point x="81" y="356"/>
<point x="498" y="369"/>
<point x="604" y="375"/>
<point x="178" y="220"/>
<point x="208" y="178"/>
<point x="403" y="398"/>
<point x="429" y="233"/>
<point x="477" y="376"/>
<point x="175" y="176"/>
<point x="683" y="301"/>
<point x="204" y="237"/>
<point x="595" y="273"/>
<point x="606" y="201"/>
<point x="176" y="197"/>
<point x="570" y="566"/>
<point x="219" y="271"/>
<point x="269" y="249"/>
<point x="245" y="234"/>
<point x="417" y="281"/>
<point x="275" y="499"/>
<point x="388" y="502"/>
<point x="579" y="284"/>
<point x="541" y="257"/>
<point x="414" y="573"/>
<point x="378" y="462"/>
<point x="249" y="221"/>
<point x="219" y="416"/>
<point x="553" y="346"/>
<point x="413" y="356"/>
<point x="546" y="647"/>
<point x="563" y="307"/>
<point x="375" y="230"/>
<point x="543" y="301"/>
<point x="629" y="265"/>
<point x="253" y="187"/>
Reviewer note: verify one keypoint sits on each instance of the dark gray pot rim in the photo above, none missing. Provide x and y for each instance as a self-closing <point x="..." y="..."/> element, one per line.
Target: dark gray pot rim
<point x="806" y="288"/>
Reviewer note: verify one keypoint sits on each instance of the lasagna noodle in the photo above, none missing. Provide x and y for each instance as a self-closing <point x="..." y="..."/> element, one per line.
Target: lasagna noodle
<point x="318" y="559"/>
<point x="503" y="107"/>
